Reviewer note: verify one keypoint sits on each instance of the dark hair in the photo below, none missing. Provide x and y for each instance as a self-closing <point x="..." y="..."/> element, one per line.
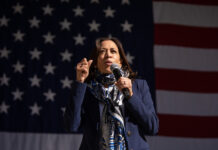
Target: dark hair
<point x="94" y="57"/>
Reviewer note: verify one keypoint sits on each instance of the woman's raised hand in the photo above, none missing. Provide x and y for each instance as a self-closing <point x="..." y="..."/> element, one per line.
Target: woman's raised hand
<point x="82" y="70"/>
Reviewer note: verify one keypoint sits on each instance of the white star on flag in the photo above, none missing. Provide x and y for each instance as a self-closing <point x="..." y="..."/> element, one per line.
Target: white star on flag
<point x="35" y="109"/>
<point x="79" y="39"/>
<point x="18" y="8"/>
<point x="66" y="83"/>
<point x="110" y="36"/>
<point x="94" y="1"/>
<point x="49" y="95"/>
<point x="67" y="1"/>
<point x="35" y="54"/>
<point x="109" y="12"/>
<point x="17" y="94"/>
<point x="63" y="109"/>
<point x="4" y="108"/>
<point x="48" y="38"/>
<point x="129" y="58"/>
<point x="78" y="11"/>
<point x="18" y="36"/>
<point x="4" y="21"/>
<point x="34" y="22"/>
<point x="4" y="80"/>
<point x="4" y="53"/>
<point x="35" y="81"/>
<point x="94" y="26"/>
<point x="127" y="26"/>
<point x="47" y="10"/>
<point x="125" y="2"/>
<point x="66" y="56"/>
<point x="18" y="67"/>
<point x="49" y="68"/>
<point x="65" y="24"/>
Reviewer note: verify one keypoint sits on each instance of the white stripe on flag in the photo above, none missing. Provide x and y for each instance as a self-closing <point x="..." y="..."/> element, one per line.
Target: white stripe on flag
<point x="34" y="141"/>
<point x="173" y="143"/>
<point x="185" y="14"/>
<point x="24" y="141"/>
<point x="184" y="103"/>
<point x="195" y="59"/>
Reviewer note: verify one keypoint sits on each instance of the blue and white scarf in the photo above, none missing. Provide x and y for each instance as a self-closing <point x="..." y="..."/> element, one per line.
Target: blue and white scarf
<point x="112" y="128"/>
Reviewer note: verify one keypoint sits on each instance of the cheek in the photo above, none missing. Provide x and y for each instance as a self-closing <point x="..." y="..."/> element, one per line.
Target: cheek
<point x="118" y="60"/>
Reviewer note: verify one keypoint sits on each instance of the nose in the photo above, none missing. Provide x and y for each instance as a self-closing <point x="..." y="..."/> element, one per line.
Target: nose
<point x="108" y="53"/>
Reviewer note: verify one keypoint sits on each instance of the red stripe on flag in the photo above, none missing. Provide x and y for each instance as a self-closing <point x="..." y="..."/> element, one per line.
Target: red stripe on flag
<point x="188" y="126"/>
<point x="190" y="81"/>
<point x="166" y="34"/>
<point x="197" y="2"/>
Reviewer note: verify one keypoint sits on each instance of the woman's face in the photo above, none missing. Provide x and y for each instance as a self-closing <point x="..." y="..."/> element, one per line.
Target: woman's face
<point x="107" y="54"/>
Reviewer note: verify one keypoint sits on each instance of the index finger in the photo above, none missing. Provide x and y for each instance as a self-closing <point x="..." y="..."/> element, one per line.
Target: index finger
<point x="90" y="62"/>
<point x="84" y="61"/>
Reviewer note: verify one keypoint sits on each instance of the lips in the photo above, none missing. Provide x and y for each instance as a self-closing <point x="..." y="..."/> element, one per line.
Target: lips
<point x="108" y="63"/>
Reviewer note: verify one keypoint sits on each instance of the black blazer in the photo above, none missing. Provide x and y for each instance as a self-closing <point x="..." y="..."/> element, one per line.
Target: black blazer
<point x="82" y="115"/>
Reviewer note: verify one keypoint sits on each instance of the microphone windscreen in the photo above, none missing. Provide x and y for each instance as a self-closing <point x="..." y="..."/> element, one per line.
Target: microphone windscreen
<point x="114" y="66"/>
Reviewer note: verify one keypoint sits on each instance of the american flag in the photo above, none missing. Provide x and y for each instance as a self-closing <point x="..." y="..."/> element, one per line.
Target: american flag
<point x="186" y="73"/>
<point x="40" y="43"/>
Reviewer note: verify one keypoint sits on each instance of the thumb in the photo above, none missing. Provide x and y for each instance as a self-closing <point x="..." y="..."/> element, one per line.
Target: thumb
<point x="90" y="62"/>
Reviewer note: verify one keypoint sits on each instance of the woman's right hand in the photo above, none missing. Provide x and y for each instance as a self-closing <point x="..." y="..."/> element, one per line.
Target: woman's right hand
<point x="82" y="70"/>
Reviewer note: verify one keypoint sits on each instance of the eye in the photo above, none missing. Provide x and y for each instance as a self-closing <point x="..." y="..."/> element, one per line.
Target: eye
<point x="113" y="51"/>
<point x="101" y="51"/>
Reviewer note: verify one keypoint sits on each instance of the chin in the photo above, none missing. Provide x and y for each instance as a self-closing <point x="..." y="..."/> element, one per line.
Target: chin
<point x="106" y="71"/>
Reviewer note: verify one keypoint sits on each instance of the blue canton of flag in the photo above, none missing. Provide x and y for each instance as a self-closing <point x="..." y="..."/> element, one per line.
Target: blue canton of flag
<point x="40" y="44"/>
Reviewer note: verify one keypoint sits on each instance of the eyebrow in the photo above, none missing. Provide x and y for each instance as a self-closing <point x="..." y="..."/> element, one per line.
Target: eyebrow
<point x="110" y="48"/>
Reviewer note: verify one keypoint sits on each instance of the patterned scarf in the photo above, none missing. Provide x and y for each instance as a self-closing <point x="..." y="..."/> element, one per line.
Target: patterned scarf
<point x="112" y="128"/>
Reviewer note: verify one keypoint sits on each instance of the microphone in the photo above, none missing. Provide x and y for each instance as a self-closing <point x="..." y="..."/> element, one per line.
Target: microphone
<point x="117" y="73"/>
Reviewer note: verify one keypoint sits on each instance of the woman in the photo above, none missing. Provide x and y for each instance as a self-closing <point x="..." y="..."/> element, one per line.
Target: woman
<point x="98" y="107"/>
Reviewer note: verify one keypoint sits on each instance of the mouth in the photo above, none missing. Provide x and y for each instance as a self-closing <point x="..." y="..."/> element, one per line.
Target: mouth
<point x="108" y="63"/>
